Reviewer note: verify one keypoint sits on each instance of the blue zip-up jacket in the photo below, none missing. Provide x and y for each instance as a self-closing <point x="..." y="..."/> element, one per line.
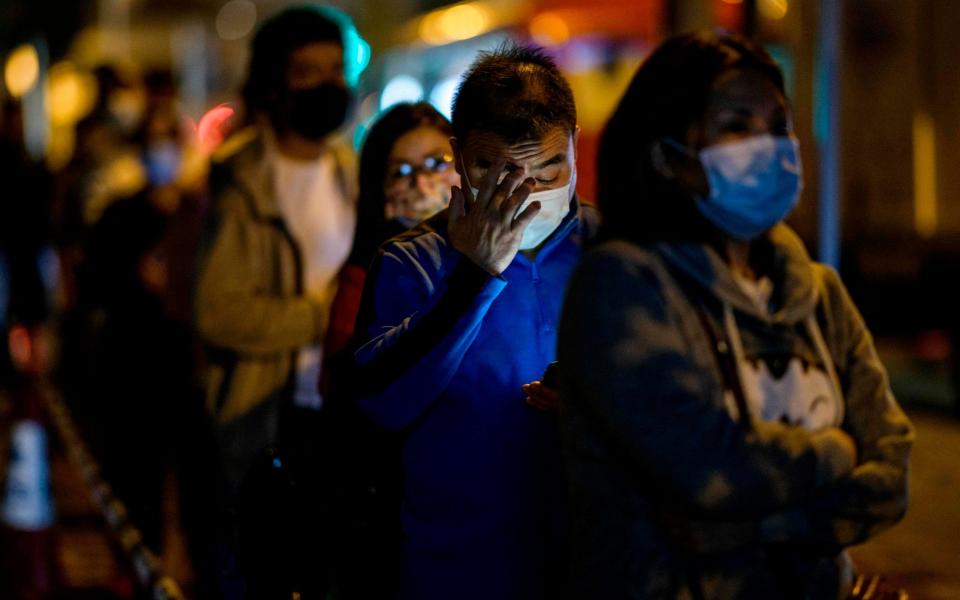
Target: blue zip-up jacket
<point x="448" y="347"/>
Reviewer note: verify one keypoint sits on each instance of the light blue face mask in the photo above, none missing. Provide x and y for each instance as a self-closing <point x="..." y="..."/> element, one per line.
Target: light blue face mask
<point x="754" y="183"/>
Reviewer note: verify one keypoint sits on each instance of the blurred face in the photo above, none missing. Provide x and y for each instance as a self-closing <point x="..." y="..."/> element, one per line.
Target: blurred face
<point x="743" y="104"/>
<point x="315" y="64"/>
<point x="550" y="160"/>
<point x="316" y="101"/>
<point x="420" y="174"/>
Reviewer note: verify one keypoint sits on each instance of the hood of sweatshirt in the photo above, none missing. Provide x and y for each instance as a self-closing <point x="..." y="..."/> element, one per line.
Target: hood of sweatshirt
<point x="795" y="292"/>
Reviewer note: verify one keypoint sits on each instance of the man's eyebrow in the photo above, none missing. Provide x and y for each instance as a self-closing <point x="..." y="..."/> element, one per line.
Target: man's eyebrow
<point x="559" y="158"/>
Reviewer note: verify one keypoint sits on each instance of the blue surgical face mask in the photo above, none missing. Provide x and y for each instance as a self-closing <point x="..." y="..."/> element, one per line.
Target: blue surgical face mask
<point x="162" y="161"/>
<point x="754" y="183"/>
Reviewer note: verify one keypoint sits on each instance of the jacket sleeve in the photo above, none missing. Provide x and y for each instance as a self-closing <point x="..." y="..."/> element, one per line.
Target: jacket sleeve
<point x="629" y="368"/>
<point x="415" y="332"/>
<point x="230" y="311"/>
<point x="874" y="496"/>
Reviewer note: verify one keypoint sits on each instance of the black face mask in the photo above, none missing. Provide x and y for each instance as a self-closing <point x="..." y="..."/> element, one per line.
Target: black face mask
<point x="315" y="112"/>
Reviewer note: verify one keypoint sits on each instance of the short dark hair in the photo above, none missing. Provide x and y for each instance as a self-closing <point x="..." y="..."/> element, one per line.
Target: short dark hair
<point x="668" y="94"/>
<point x="274" y="42"/>
<point x="379" y="142"/>
<point x="516" y="92"/>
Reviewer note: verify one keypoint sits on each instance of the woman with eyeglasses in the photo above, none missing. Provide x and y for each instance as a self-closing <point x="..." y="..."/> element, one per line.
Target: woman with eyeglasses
<point x="406" y="172"/>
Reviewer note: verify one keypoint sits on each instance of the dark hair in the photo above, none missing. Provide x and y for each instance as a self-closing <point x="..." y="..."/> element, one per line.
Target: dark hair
<point x="668" y="94"/>
<point x="272" y="46"/>
<point x="372" y="226"/>
<point x="515" y="92"/>
<point x="126" y="232"/>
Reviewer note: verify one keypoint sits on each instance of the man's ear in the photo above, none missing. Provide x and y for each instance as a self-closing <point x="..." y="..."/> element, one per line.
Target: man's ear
<point x="659" y="161"/>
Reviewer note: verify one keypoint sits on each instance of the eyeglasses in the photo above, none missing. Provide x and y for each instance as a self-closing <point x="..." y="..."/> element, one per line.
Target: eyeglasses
<point x="407" y="172"/>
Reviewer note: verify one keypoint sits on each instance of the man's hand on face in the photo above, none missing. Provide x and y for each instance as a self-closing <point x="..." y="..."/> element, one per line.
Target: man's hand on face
<point x="484" y="228"/>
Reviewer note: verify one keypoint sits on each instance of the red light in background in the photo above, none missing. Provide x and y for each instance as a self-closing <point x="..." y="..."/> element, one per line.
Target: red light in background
<point x="213" y="127"/>
<point x="21" y="346"/>
<point x="729" y="15"/>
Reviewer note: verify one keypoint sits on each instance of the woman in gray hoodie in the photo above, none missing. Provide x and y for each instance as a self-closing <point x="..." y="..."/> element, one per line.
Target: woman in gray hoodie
<point x="729" y="429"/>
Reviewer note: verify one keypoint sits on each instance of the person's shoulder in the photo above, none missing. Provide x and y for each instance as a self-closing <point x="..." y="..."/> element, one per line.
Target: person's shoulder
<point x="242" y="146"/>
<point x="425" y="244"/>
<point x="619" y="275"/>
<point x="623" y="254"/>
<point x="590" y="220"/>
<point x="831" y="289"/>
<point x="619" y="264"/>
<point x="343" y="151"/>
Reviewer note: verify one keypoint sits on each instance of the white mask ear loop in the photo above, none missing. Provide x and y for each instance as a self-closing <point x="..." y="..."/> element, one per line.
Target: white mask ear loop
<point x="736" y="346"/>
<point x="472" y="196"/>
<point x="814" y="329"/>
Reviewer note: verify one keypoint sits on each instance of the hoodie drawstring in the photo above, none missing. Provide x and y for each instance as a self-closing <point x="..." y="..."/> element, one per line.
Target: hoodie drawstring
<point x="813" y="328"/>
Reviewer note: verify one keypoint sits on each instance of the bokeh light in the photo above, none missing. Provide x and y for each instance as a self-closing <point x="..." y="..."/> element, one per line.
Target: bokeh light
<point x="71" y="93"/>
<point x="402" y="88"/>
<point x="460" y="22"/>
<point x="549" y="29"/>
<point x="773" y="9"/>
<point x="22" y="70"/>
<point x="441" y="96"/>
<point x="236" y="19"/>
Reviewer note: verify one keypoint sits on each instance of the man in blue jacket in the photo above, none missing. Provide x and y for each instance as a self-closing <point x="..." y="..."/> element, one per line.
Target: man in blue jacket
<point x="459" y="314"/>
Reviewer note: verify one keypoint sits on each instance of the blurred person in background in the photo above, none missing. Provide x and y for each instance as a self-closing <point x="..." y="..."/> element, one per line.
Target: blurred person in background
<point x="105" y="167"/>
<point x="127" y="236"/>
<point x="143" y="413"/>
<point x="460" y="313"/>
<point x="406" y="174"/>
<point x="728" y="426"/>
<point x="25" y="227"/>
<point x="99" y="171"/>
<point x="175" y="171"/>
<point x="279" y="227"/>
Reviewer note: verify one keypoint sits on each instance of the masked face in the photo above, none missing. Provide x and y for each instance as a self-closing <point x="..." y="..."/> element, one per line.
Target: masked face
<point x="162" y="160"/>
<point x="551" y="161"/>
<point x="316" y="101"/>
<point x="316" y="112"/>
<point x="419" y="175"/>
<point x="754" y="184"/>
<point x="746" y="173"/>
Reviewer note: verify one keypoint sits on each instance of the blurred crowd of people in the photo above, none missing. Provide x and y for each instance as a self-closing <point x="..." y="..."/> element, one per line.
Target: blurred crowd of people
<point x="344" y="369"/>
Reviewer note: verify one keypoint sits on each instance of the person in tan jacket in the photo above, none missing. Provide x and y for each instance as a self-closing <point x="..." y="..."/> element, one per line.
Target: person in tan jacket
<point x="280" y="226"/>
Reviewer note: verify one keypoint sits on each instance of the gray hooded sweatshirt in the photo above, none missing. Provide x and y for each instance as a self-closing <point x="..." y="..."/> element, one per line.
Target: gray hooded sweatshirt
<point x="673" y="494"/>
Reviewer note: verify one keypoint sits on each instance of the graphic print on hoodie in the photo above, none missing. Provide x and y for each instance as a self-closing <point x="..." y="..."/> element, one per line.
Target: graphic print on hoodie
<point x="779" y="386"/>
<point x="785" y="369"/>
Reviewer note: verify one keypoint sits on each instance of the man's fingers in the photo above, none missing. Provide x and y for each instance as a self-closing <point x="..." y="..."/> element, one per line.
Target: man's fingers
<point x="524" y="218"/>
<point x="489" y="184"/>
<point x="457" y="205"/>
<point x="505" y="189"/>
<point x="541" y="397"/>
<point x="510" y="206"/>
